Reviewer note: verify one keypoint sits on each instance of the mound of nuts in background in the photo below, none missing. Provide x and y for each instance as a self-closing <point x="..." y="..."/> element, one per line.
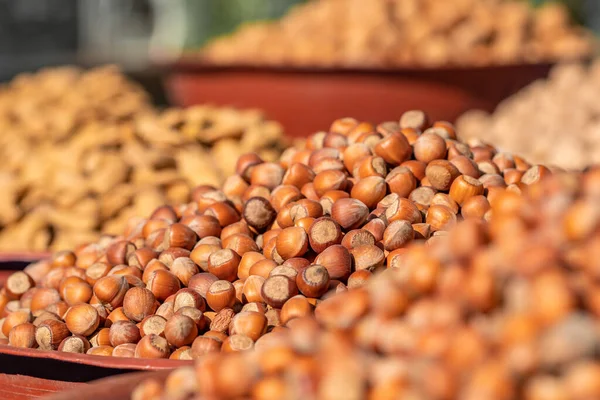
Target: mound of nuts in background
<point x="84" y="151"/>
<point x="502" y="310"/>
<point x="554" y="121"/>
<point x="426" y="33"/>
<point x="218" y="273"/>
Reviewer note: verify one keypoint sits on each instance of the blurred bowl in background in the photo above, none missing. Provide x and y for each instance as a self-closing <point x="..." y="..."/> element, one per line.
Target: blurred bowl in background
<point x="305" y="100"/>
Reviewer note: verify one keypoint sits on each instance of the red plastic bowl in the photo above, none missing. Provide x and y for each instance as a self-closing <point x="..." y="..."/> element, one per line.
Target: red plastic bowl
<point x="306" y="100"/>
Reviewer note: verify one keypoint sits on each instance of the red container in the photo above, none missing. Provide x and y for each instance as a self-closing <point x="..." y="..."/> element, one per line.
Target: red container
<point x="307" y="100"/>
<point x="115" y="388"/>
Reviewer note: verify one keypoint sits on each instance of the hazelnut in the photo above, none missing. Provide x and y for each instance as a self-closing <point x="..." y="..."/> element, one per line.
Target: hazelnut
<point x="82" y="319"/>
<point x="152" y="346"/>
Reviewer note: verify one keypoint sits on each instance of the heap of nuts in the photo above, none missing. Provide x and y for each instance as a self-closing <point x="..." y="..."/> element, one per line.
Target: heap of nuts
<point x="82" y="152"/>
<point x="391" y="33"/>
<point x="534" y="121"/>
<point x="507" y="309"/>
<point x="278" y="238"/>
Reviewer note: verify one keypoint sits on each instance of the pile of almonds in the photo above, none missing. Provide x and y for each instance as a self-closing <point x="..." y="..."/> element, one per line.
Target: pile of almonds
<point x="278" y="239"/>
<point x="84" y="151"/>
<point x="505" y="309"/>
<point x="392" y="33"/>
<point x="554" y="121"/>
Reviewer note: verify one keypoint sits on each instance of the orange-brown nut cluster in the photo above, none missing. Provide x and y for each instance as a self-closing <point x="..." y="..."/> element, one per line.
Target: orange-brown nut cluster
<point x="392" y="33"/>
<point x="511" y="311"/>
<point x="84" y="151"/>
<point x="218" y="273"/>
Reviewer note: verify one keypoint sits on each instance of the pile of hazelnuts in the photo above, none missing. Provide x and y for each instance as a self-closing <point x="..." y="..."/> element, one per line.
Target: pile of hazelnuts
<point x="276" y="241"/>
<point x="511" y="310"/>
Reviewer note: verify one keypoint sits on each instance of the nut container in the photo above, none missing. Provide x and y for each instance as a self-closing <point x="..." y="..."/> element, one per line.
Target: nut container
<point x="304" y="100"/>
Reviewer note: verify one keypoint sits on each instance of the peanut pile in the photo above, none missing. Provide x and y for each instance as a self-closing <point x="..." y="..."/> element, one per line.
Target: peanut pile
<point x="384" y="33"/>
<point x="85" y="151"/>
<point x="505" y="309"/>
<point x="554" y="121"/>
<point x="278" y="238"/>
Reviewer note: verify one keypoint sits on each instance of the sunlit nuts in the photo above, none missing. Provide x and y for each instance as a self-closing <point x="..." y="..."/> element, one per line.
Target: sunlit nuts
<point x="296" y="307"/>
<point x="63" y="259"/>
<point x="394" y="149"/>
<point x="298" y="175"/>
<point x="313" y="281"/>
<point x="74" y="344"/>
<point x="369" y="190"/>
<point x="429" y="147"/>
<point x="82" y="319"/>
<point x="139" y="303"/>
<point x="329" y="180"/>
<point x="180" y="235"/>
<point x="15" y="318"/>
<point x="337" y="260"/>
<point x="17" y="284"/>
<point x="403" y="209"/>
<point x="23" y="335"/>
<point x="443" y="199"/>
<point x="163" y="284"/>
<point x="422" y="197"/>
<point x="116" y="315"/>
<point x="245" y="164"/>
<point x="259" y="213"/>
<point x="124" y="332"/>
<point x="251" y="291"/>
<point x="375" y="227"/>
<point x="466" y="166"/>
<point x="262" y="268"/>
<point x="441" y="174"/>
<point x="43" y="297"/>
<point x="110" y="290"/>
<point x="369" y="257"/>
<point x="180" y="330"/>
<point x="535" y="174"/>
<point x="398" y="234"/>
<point x="101" y="337"/>
<point x="248" y="323"/>
<point x="141" y="257"/>
<point x="152" y="346"/>
<point x="401" y="181"/>
<point x="224" y="264"/>
<point x="41" y="317"/>
<point x="292" y="242"/>
<point x="349" y="213"/>
<point x="355" y="153"/>
<point x="104" y="351"/>
<point x="277" y="290"/>
<point x="323" y="233"/>
<point x="182" y="353"/>
<point x="440" y="218"/>
<point x="223" y="212"/>
<point x="201" y="253"/>
<point x="284" y="195"/>
<point x="221" y="294"/>
<point x="152" y="324"/>
<point x="203" y="345"/>
<point x="342" y="311"/>
<point x="370" y="166"/>
<point x="240" y="243"/>
<point x="492" y="180"/>
<point x="237" y="343"/>
<point x="96" y="271"/>
<point x="465" y="187"/>
<point x="203" y="225"/>
<point x="357" y="237"/>
<point x="77" y="292"/>
<point x="119" y="252"/>
<point x="126" y="350"/>
<point x="267" y="174"/>
<point x="50" y="333"/>
<point x="475" y="207"/>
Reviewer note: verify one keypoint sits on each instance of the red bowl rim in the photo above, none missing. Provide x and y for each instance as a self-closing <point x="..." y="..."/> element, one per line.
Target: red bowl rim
<point x="142" y="364"/>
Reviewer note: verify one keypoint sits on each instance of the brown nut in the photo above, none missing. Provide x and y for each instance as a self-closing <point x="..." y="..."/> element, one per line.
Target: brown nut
<point x="349" y="213"/>
<point x="291" y="242"/>
<point x="124" y="332"/>
<point x="110" y="291"/>
<point x="139" y="303"/>
<point x="259" y="213"/>
<point x="180" y="330"/>
<point x="337" y="260"/>
<point x="23" y="335"/>
<point x="441" y="174"/>
<point x="249" y="323"/>
<point x="398" y="234"/>
<point x="277" y="289"/>
<point x="163" y="284"/>
<point x="152" y="346"/>
<point x="313" y="281"/>
<point x="50" y="333"/>
<point x="221" y="294"/>
<point x="82" y="319"/>
<point x="74" y="344"/>
<point x="465" y="187"/>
